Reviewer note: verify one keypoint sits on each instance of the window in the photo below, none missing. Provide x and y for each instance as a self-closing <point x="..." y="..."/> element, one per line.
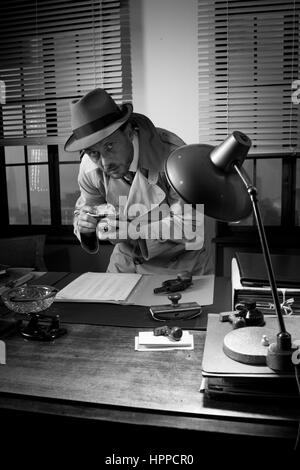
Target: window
<point x="27" y="179"/>
<point x="51" y="53"/>
<point x="248" y="63"/>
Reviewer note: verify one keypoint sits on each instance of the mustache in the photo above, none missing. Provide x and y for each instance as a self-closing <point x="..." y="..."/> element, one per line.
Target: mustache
<point x="110" y="168"/>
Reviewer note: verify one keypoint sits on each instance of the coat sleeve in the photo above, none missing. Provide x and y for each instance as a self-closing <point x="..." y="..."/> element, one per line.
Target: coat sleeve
<point x="92" y="192"/>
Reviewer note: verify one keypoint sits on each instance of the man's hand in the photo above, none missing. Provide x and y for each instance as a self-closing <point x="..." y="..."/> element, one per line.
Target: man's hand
<point x="87" y="220"/>
<point x="108" y="229"/>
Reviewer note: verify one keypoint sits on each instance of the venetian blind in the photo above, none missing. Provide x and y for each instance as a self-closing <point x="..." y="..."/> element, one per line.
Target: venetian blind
<point x="248" y="60"/>
<point x="53" y="51"/>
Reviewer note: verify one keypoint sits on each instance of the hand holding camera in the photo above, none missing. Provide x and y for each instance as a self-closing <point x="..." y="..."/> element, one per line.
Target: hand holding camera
<point x="90" y="216"/>
<point x="106" y="221"/>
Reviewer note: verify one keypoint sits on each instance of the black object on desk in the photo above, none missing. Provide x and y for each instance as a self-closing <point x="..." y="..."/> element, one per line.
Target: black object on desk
<point x="253" y="271"/>
<point x="173" y="333"/>
<point x="182" y="282"/>
<point x="175" y="310"/>
<point x="42" y="328"/>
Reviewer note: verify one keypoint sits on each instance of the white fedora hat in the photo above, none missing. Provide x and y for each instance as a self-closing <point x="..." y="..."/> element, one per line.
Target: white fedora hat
<point x="94" y="117"/>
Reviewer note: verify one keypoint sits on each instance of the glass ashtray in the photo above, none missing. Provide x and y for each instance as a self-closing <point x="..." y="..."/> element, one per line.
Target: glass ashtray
<point x="29" y="299"/>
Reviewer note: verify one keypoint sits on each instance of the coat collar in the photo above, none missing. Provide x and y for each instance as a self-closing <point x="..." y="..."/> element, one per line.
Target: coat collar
<point x="152" y="150"/>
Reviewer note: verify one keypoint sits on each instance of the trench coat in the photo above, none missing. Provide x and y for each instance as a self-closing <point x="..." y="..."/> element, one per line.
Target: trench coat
<point x="152" y="249"/>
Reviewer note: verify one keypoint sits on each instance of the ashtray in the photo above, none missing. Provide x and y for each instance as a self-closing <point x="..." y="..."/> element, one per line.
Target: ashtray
<point x="30" y="301"/>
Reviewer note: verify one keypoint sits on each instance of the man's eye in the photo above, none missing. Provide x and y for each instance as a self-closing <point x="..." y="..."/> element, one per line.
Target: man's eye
<point x="108" y="147"/>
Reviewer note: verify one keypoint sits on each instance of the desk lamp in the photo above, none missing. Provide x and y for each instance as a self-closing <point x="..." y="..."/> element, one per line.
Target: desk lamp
<point x="214" y="176"/>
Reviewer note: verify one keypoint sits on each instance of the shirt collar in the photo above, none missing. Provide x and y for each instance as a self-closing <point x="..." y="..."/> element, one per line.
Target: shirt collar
<point x="135" y="160"/>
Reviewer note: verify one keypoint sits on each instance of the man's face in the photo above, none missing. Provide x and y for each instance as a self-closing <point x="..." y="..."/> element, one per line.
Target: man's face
<point x="113" y="154"/>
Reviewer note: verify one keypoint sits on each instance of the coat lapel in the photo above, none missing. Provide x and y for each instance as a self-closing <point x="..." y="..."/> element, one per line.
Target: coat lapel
<point x="143" y="195"/>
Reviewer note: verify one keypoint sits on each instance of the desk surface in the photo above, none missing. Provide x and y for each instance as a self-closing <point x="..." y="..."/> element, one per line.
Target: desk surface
<point x="128" y="315"/>
<point x="94" y="372"/>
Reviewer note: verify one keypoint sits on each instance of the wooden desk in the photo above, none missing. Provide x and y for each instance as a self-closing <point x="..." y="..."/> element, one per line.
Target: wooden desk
<point x="95" y="375"/>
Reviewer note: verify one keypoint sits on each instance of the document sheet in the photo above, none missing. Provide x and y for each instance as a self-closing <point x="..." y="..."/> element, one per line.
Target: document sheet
<point x="99" y="287"/>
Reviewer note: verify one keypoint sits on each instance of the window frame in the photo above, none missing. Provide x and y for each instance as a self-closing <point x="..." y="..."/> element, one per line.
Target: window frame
<point x="288" y="199"/>
<point x="228" y="89"/>
<point x="55" y="227"/>
<point x="106" y="63"/>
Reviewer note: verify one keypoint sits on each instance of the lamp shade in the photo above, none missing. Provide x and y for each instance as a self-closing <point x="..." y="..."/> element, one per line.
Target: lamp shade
<point x="203" y="174"/>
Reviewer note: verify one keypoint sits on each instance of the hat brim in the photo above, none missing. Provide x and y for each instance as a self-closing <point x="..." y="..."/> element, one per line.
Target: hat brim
<point x="74" y="145"/>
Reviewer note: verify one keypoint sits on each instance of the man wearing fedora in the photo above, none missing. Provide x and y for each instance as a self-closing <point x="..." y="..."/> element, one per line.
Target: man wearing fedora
<point x="122" y="167"/>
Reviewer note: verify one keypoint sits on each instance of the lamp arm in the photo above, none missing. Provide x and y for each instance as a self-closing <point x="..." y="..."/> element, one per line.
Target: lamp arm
<point x="252" y="191"/>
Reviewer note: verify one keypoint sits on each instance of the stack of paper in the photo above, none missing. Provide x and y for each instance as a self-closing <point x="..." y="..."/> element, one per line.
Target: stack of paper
<point x="147" y="341"/>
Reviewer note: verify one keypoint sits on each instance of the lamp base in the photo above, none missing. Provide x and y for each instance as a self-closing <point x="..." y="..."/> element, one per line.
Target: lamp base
<point x="278" y="358"/>
<point x="245" y="344"/>
<point x="249" y="346"/>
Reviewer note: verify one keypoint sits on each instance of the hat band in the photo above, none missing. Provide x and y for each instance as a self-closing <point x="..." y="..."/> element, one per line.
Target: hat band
<point x="97" y="125"/>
